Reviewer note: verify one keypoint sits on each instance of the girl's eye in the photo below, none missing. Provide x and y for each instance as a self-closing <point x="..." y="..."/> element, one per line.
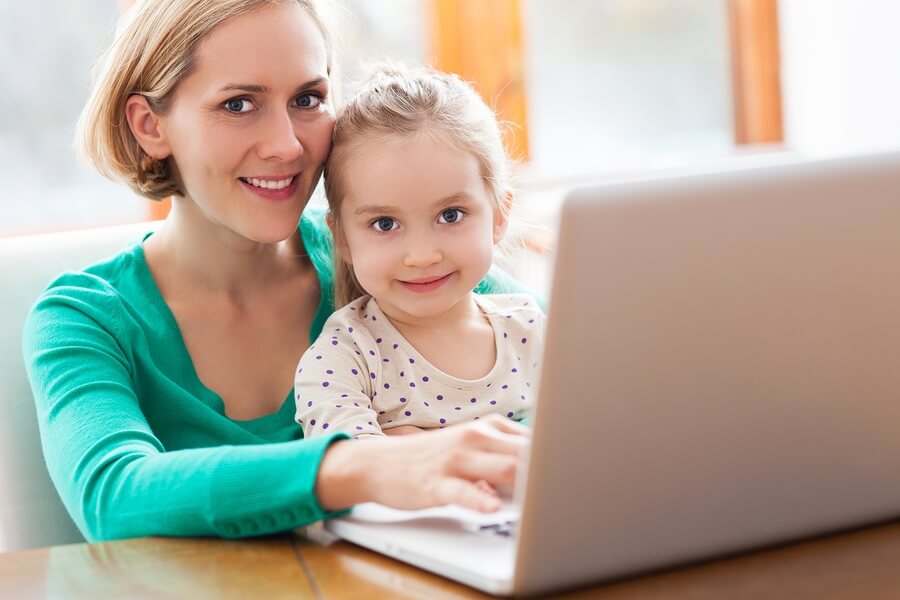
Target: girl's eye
<point x="450" y="216"/>
<point x="308" y="100"/>
<point x="384" y="224"/>
<point x="238" y="105"/>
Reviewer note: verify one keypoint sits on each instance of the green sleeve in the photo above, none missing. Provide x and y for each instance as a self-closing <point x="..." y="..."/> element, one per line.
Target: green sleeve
<point x="114" y="475"/>
<point x="498" y="281"/>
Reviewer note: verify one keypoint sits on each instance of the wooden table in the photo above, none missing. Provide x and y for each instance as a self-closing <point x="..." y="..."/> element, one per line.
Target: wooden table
<point x="859" y="564"/>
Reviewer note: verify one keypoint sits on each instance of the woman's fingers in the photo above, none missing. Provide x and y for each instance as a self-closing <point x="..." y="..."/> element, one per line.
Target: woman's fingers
<point x="450" y="490"/>
<point x="499" y="470"/>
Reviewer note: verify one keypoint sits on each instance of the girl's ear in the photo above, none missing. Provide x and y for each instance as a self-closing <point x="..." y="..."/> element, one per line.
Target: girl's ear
<point x="340" y="241"/>
<point x="145" y="127"/>
<point x="501" y="217"/>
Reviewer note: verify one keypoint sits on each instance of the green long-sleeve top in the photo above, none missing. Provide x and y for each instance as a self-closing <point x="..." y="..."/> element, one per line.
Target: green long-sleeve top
<point x="135" y="444"/>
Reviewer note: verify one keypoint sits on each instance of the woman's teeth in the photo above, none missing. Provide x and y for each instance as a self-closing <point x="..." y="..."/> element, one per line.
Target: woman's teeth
<point x="268" y="184"/>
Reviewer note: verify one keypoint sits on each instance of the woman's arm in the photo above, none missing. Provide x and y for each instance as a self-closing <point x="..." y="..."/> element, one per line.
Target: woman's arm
<point x="448" y="466"/>
<point x="115" y="476"/>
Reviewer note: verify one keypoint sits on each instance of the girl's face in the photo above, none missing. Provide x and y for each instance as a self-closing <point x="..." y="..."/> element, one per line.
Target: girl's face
<point x="250" y="128"/>
<point x="417" y="223"/>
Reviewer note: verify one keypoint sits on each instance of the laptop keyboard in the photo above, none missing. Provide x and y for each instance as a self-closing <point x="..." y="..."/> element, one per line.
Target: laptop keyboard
<point x="500" y="528"/>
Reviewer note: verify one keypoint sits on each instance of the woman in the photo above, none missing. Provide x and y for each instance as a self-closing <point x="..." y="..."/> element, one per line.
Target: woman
<point x="163" y="376"/>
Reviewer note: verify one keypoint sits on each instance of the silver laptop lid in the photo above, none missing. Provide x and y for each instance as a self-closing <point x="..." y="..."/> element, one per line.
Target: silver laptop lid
<point x="722" y="369"/>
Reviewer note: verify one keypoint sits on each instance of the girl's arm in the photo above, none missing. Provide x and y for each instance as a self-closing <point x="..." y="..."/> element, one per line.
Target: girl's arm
<point x="333" y="387"/>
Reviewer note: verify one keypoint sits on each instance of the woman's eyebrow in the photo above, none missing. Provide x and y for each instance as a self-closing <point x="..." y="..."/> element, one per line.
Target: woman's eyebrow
<point x="261" y="89"/>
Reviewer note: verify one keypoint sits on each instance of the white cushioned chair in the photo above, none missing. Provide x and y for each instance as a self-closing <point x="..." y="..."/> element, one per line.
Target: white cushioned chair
<point x="31" y="513"/>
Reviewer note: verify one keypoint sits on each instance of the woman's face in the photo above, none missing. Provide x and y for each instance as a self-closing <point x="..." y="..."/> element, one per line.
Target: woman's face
<point x="250" y="128"/>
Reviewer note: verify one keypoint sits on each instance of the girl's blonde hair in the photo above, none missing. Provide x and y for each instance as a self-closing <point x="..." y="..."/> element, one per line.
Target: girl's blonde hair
<point x="155" y="48"/>
<point x="396" y="101"/>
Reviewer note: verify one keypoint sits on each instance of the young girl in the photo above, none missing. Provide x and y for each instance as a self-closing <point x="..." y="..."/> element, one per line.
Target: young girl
<point x="419" y="195"/>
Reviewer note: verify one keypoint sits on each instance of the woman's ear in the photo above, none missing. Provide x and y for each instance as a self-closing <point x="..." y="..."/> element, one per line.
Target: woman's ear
<point x="340" y="241"/>
<point x="501" y="217"/>
<point x="145" y="127"/>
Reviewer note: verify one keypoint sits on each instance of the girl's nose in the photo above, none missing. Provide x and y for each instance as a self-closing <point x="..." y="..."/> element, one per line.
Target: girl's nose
<point x="422" y="253"/>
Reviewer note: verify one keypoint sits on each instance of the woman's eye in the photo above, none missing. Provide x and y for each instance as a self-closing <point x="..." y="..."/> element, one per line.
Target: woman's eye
<point x="451" y="215"/>
<point x="238" y="105"/>
<point x="384" y="224"/>
<point x="308" y="100"/>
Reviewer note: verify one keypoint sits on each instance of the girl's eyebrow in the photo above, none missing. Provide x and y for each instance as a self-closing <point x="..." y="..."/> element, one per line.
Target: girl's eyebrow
<point x="457" y="198"/>
<point x="261" y="89"/>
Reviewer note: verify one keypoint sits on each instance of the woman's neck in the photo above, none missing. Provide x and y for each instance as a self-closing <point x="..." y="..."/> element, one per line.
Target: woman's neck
<point x="190" y="247"/>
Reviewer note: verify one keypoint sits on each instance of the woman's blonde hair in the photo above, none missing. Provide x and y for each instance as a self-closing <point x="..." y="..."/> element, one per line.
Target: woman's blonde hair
<point x="396" y="101"/>
<point x="155" y="48"/>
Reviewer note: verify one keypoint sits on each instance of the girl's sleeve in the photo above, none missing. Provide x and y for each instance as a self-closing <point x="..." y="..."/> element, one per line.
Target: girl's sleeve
<point x="334" y="386"/>
<point x="114" y="475"/>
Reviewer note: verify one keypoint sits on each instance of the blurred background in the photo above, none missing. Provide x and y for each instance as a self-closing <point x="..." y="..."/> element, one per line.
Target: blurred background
<point x="595" y="90"/>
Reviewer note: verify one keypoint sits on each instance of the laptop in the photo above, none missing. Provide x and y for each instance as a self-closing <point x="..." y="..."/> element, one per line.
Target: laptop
<point x="721" y="373"/>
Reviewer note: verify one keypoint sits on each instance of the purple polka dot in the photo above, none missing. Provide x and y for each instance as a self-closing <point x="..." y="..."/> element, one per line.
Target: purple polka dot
<point x="380" y="412"/>
<point x="401" y="373"/>
<point x="312" y="422"/>
<point x="515" y="370"/>
<point x="324" y="426"/>
<point x="339" y="406"/>
<point x="457" y="408"/>
<point x="443" y="420"/>
<point x="378" y="341"/>
<point x="527" y="384"/>
<point x="385" y="360"/>
<point x="402" y="399"/>
<point x="522" y="396"/>
<point x="300" y="370"/>
<point x="396" y="346"/>
<point x="334" y="342"/>
<point x="531" y="320"/>
<point x="309" y="403"/>
<point x="411" y="361"/>
<point x="325" y="384"/>
<point x="504" y="386"/>
<point x="370" y="422"/>
<point x="510" y="415"/>
<point x="372" y="375"/>
<point x="356" y="404"/>
<point x="425" y="378"/>
<point x="412" y="384"/>
<point x="319" y="357"/>
<point x="493" y="402"/>
<point x="372" y="352"/>
<point x="504" y="334"/>
<point x="387" y="386"/>
<point x="439" y="397"/>
<point x="473" y="400"/>
<point x="373" y="318"/>
<point x="354" y="371"/>
<point x="344" y="396"/>
<point x="408" y="413"/>
<point x="524" y="340"/>
<point x="426" y="404"/>
<point x="350" y="329"/>
<point x="359" y="427"/>
<point x="330" y="372"/>
<point x="488" y="385"/>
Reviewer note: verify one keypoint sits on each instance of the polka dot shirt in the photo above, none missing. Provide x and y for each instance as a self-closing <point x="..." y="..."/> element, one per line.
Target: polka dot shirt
<point x="362" y="377"/>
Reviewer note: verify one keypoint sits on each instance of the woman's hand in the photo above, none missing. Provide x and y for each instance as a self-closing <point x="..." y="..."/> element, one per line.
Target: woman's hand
<point x="448" y="466"/>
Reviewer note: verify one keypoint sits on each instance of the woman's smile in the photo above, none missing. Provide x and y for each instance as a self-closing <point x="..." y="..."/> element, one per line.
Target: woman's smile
<point x="272" y="187"/>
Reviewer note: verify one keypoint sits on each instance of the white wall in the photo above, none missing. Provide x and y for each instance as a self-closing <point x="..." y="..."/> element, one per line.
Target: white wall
<point x="840" y="74"/>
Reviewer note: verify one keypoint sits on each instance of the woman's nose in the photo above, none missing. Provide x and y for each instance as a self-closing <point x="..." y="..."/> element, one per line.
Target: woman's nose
<point x="279" y="139"/>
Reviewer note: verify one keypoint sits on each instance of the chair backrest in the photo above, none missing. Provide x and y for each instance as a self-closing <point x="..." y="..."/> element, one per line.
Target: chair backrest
<point x="31" y="513"/>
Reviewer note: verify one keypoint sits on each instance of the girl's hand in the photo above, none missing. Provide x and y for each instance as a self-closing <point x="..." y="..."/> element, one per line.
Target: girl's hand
<point x="402" y="430"/>
<point x="462" y="464"/>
